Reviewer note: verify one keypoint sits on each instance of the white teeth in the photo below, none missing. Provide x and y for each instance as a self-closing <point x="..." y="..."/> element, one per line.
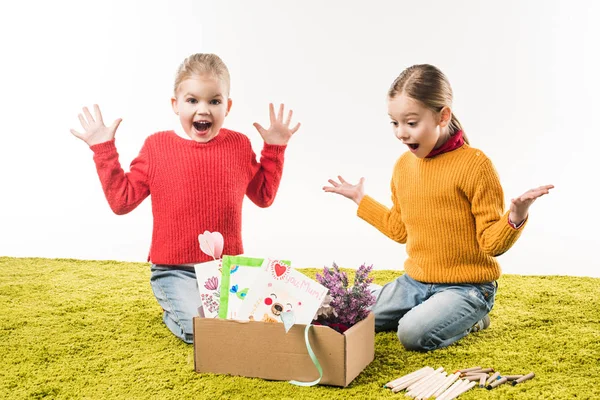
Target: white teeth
<point x="202" y="124"/>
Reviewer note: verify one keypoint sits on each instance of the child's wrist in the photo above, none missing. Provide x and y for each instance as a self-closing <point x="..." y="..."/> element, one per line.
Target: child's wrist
<point x="101" y="147"/>
<point x="515" y="219"/>
<point x="357" y="199"/>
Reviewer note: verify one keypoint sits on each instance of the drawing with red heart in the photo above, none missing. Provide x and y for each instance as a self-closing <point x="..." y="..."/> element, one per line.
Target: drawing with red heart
<point x="279" y="269"/>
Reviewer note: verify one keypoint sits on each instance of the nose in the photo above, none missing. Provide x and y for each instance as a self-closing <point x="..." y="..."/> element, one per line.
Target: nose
<point x="276" y="309"/>
<point x="401" y="134"/>
<point x="201" y="108"/>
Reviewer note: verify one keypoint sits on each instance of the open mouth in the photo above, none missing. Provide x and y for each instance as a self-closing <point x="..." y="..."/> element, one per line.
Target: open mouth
<point x="202" y="126"/>
<point x="413" y="146"/>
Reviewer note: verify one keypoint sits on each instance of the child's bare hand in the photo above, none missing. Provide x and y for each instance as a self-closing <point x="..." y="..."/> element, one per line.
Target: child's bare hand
<point x="353" y="192"/>
<point x="95" y="131"/>
<point x="279" y="132"/>
<point x="519" y="206"/>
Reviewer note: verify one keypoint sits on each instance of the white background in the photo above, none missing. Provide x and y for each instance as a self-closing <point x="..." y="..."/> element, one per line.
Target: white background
<point x="524" y="74"/>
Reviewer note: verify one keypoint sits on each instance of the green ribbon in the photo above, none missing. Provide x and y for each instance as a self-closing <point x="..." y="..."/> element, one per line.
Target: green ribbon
<point x="313" y="357"/>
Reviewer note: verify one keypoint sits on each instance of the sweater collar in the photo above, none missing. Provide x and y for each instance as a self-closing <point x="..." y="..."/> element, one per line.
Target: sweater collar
<point x="453" y="143"/>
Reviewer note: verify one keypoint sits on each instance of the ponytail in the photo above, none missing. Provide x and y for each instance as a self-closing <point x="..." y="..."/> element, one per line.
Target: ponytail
<point x="456" y="126"/>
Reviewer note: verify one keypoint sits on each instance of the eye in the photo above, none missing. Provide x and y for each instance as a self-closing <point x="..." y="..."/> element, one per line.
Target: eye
<point x="191" y="101"/>
<point x="215" y="102"/>
<point x="413" y="124"/>
<point x="394" y="123"/>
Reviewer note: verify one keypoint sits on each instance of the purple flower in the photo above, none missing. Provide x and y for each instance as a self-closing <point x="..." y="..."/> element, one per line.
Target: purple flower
<point x="351" y="304"/>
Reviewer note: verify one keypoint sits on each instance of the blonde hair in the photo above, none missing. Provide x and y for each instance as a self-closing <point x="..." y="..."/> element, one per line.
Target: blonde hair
<point x="429" y="85"/>
<point x="202" y="64"/>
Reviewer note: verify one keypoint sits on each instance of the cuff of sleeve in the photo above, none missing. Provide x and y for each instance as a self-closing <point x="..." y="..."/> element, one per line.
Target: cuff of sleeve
<point x="273" y="150"/>
<point x="515" y="226"/>
<point x="104" y="147"/>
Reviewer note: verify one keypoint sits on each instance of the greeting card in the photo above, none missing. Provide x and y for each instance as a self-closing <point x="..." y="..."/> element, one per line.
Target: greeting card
<point x="278" y="289"/>
<point x="208" y="276"/>
<point x="237" y="274"/>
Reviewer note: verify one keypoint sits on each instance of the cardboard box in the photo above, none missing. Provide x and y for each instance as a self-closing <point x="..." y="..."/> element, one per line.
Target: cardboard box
<point x="265" y="350"/>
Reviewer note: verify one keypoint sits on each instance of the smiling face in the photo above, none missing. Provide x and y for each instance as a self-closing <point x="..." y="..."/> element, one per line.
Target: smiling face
<point x="417" y="126"/>
<point x="277" y="306"/>
<point x="202" y="104"/>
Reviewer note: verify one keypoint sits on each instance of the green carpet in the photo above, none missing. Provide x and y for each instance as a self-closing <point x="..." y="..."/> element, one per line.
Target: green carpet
<point x="92" y="329"/>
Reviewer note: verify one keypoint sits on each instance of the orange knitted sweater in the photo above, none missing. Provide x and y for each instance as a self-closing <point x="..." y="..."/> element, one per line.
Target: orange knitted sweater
<point x="449" y="210"/>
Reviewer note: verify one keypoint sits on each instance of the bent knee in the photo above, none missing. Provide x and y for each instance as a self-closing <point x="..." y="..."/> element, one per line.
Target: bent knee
<point x="415" y="339"/>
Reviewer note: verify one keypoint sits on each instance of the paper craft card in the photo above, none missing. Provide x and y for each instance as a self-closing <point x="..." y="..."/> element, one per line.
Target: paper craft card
<point x="208" y="276"/>
<point x="237" y="275"/>
<point x="279" y="288"/>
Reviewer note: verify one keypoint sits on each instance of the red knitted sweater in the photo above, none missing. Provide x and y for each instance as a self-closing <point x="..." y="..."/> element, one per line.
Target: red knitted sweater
<point x="194" y="187"/>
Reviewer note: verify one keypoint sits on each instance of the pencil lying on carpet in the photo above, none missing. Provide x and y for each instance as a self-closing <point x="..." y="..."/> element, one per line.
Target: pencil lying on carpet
<point x="412" y="381"/>
<point x="419" y="383"/>
<point x="406" y="377"/>
<point x="426" y="383"/>
<point x="497" y="382"/>
<point x="523" y="379"/>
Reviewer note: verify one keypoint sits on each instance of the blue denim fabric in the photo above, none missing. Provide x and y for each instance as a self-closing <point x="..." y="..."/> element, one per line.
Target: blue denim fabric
<point x="176" y="290"/>
<point x="430" y="316"/>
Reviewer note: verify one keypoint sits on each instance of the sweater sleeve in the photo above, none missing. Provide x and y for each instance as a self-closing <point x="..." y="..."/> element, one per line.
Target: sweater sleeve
<point x="267" y="175"/>
<point x="494" y="234"/>
<point x="123" y="190"/>
<point x="387" y="221"/>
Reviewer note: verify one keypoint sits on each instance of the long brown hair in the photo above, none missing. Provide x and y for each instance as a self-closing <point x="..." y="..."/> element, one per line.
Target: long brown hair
<point x="429" y="85"/>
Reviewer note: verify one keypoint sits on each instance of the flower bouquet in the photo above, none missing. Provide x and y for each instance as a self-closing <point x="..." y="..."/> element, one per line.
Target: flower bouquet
<point x="345" y="305"/>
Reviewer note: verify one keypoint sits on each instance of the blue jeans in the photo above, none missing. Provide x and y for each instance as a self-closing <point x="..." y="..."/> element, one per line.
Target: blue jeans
<point x="176" y="290"/>
<point x="430" y="316"/>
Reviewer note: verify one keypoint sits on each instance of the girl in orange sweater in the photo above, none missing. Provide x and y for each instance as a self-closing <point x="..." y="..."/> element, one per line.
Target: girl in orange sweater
<point x="448" y="208"/>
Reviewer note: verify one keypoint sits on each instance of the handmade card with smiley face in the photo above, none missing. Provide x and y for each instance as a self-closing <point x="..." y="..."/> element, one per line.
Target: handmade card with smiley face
<point x="278" y="289"/>
<point x="237" y="276"/>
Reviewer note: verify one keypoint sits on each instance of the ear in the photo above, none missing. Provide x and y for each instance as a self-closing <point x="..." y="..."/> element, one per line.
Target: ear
<point x="174" y="105"/>
<point x="229" y="103"/>
<point x="445" y="117"/>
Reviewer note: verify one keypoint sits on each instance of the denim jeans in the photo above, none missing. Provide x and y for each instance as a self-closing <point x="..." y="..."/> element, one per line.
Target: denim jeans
<point x="430" y="316"/>
<point x="176" y="290"/>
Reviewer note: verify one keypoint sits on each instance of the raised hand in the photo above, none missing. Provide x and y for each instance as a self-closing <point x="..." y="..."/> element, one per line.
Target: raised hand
<point x="95" y="131"/>
<point x="279" y="132"/>
<point x="353" y="192"/>
<point x="519" y="206"/>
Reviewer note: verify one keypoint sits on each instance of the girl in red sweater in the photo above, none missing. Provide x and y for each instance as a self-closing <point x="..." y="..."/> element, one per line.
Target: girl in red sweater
<point x="197" y="177"/>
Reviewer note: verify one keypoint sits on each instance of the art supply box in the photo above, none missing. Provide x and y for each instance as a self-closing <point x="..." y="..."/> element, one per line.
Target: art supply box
<point x="265" y="350"/>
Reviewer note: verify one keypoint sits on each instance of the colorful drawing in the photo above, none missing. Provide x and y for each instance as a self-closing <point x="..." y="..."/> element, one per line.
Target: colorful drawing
<point x="279" y="288"/>
<point x="239" y="293"/>
<point x="237" y="272"/>
<point x="237" y="276"/>
<point x="208" y="275"/>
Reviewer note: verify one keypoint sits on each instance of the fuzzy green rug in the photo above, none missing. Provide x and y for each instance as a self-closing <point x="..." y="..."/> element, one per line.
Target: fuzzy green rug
<point x="92" y="329"/>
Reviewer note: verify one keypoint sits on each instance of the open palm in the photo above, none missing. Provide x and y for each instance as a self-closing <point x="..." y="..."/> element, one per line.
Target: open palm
<point x="95" y="131"/>
<point x="279" y="132"/>
<point x="353" y="192"/>
<point x="519" y="206"/>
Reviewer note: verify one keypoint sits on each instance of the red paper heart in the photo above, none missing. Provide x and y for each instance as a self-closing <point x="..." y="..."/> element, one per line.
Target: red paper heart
<point x="280" y="269"/>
